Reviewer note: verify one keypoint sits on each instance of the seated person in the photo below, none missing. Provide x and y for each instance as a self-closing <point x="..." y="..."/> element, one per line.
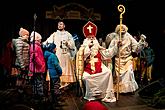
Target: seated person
<point x="96" y="76"/>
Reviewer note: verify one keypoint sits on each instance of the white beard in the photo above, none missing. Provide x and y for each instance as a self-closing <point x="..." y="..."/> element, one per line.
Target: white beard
<point x="95" y="48"/>
<point x="95" y="45"/>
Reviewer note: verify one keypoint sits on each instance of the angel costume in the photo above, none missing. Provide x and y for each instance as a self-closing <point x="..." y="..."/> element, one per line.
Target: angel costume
<point x="128" y="45"/>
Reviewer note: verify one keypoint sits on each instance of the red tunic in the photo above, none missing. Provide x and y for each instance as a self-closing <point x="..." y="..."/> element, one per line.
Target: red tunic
<point x="98" y="69"/>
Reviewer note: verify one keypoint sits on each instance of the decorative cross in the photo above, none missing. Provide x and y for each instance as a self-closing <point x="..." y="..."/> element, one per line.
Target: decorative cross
<point x="92" y="62"/>
<point x="90" y="28"/>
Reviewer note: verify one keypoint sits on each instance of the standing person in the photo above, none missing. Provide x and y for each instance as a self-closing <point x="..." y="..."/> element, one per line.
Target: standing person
<point x="149" y="56"/>
<point x="7" y="61"/>
<point x="127" y="45"/>
<point x="21" y="47"/>
<point x="96" y="76"/>
<point x="66" y="51"/>
<point x="37" y="64"/>
<point x="136" y="63"/>
<point x="55" y="71"/>
<point x="135" y="57"/>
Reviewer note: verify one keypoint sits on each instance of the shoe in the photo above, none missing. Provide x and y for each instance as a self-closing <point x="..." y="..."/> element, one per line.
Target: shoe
<point x="63" y="86"/>
<point x="109" y="99"/>
<point x="113" y="99"/>
<point x="90" y="99"/>
<point x="106" y="100"/>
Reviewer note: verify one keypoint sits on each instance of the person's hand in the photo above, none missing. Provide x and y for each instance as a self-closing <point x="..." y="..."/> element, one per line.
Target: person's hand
<point x="90" y="44"/>
<point x="66" y="43"/>
<point x="142" y="38"/>
<point x="101" y="48"/>
<point x="45" y="43"/>
<point x="145" y="44"/>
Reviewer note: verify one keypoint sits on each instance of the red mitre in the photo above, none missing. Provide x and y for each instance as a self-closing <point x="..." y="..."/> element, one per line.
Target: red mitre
<point x="90" y="29"/>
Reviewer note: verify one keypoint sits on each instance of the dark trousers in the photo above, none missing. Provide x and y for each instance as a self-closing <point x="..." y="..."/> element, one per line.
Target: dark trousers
<point x="54" y="89"/>
<point x="38" y="82"/>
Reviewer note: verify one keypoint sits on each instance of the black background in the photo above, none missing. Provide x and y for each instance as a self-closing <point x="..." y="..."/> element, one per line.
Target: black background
<point x="141" y="16"/>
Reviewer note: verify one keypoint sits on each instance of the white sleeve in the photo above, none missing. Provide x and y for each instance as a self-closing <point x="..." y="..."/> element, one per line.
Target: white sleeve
<point x="49" y="39"/>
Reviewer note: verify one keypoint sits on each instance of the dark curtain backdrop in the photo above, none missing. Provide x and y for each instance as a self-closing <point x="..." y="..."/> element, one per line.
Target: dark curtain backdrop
<point x="141" y="16"/>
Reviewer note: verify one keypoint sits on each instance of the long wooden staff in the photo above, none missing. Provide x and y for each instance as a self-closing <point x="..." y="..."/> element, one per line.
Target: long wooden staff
<point x="121" y="9"/>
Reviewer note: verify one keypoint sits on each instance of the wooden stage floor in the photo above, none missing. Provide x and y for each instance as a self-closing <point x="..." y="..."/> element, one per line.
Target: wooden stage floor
<point x="11" y="100"/>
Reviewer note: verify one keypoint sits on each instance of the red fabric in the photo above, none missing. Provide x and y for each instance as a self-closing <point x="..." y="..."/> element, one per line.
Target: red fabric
<point x="94" y="105"/>
<point x="98" y="68"/>
<point x="8" y="57"/>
